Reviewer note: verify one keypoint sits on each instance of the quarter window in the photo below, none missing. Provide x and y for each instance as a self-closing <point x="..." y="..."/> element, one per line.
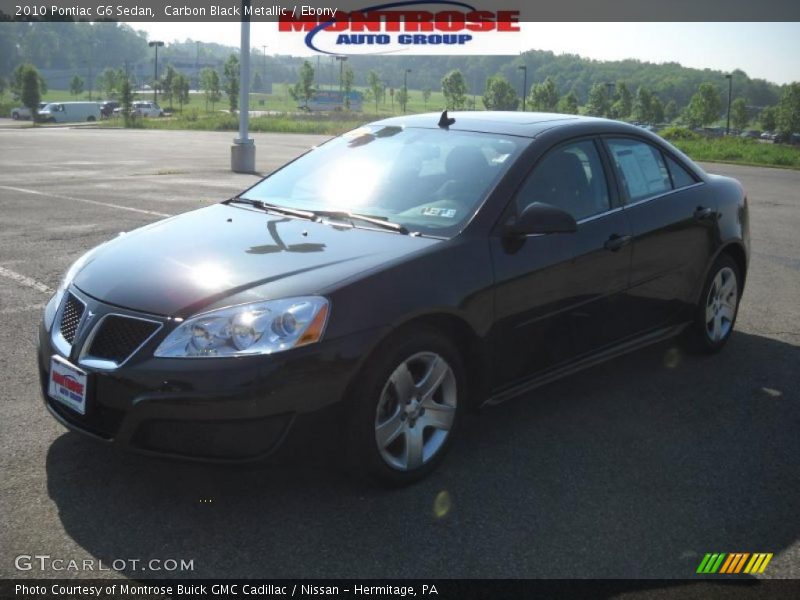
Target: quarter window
<point x="570" y="178"/>
<point x="680" y="177"/>
<point x="641" y="168"/>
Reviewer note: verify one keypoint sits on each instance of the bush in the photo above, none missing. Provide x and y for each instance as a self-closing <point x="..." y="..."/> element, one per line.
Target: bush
<point x="678" y="133"/>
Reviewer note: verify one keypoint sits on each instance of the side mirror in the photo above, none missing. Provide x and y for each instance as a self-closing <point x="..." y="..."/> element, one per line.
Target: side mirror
<point x="542" y="218"/>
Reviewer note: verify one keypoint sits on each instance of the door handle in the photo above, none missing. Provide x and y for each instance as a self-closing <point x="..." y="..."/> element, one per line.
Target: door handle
<point x="616" y="241"/>
<point x="702" y="213"/>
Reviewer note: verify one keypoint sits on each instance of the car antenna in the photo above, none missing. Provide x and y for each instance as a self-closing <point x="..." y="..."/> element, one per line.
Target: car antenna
<point x="445" y="121"/>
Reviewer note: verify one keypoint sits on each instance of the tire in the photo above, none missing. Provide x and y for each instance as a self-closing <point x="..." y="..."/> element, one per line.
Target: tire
<point x="15" y="116"/>
<point x="399" y="428"/>
<point x="715" y="314"/>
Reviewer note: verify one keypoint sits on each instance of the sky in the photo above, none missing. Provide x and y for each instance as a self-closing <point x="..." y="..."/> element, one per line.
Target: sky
<point x="762" y="50"/>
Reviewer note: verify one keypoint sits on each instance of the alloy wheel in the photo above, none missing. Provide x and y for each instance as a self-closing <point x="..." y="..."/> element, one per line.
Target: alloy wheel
<point x="721" y="304"/>
<point x="416" y="411"/>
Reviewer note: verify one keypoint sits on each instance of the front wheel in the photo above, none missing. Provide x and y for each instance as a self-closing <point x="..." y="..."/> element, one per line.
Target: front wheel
<point x="716" y="313"/>
<point x="407" y="408"/>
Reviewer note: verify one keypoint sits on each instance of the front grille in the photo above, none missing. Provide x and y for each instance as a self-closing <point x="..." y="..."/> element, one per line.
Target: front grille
<point x="118" y="337"/>
<point x="100" y="420"/>
<point x="71" y="317"/>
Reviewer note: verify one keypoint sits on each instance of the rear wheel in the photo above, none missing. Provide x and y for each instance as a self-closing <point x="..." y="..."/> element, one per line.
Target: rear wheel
<point x="716" y="313"/>
<point x="407" y="409"/>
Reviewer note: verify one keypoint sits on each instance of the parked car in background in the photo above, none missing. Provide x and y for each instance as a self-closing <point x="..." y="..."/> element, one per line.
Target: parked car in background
<point x="787" y="138"/>
<point x="107" y="108"/>
<point x="404" y="272"/>
<point x="23" y="112"/>
<point x="751" y="133"/>
<point x="768" y="135"/>
<point x="69" y="112"/>
<point x="147" y="109"/>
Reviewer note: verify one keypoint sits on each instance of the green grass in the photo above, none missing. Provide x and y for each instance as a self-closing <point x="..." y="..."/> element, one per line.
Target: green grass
<point x="741" y="151"/>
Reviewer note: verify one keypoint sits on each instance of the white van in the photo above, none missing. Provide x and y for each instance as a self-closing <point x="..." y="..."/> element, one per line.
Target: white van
<point x="70" y="112"/>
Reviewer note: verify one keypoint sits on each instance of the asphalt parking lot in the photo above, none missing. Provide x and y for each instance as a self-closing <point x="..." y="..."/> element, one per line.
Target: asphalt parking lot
<point x="634" y="469"/>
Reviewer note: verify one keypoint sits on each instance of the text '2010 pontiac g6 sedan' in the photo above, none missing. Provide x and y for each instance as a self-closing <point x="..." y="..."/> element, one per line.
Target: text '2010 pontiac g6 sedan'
<point x="398" y="275"/>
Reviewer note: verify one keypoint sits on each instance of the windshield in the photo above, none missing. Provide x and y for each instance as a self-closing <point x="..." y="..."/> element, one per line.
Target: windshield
<point x="430" y="181"/>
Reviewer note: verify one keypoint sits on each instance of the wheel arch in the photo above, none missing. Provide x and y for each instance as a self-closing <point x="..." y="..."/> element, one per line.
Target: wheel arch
<point x="469" y="344"/>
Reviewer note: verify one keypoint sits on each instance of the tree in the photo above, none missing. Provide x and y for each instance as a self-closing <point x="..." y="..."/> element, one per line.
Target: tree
<point x="126" y="100"/>
<point x="168" y="84"/>
<point x="209" y="81"/>
<point x="231" y="72"/>
<point x="76" y="85"/>
<point x="656" y="110"/>
<point x="789" y="109"/>
<point x="769" y="118"/>
<point x="108" y="81"/>
<point x="454" y="89"/>
<point x="31" y="92"/>
<point x="705" y="106"/>
<point x="623" y="104"/>
<point x="597" y="105"/>
<point x="16" y="82"/>
<point x="643" y="105"/>
<point x="258" y="82"/>
<point x="402" y="98"/>
<point x="426" y="95"/>
<point x="739" y="117"/>
<point x="500" y="94"/>
<point x="568" y="104"/>
<point x="671" y="111"/>
<point x="303" y="90"/>
<point x="180" y="88"/>
<point x="544" y="96"/>
<point x="348" y="77"/>
<point x="374" y="84"/>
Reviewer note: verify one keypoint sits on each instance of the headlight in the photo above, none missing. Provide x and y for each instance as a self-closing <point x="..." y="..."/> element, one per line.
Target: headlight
<point x="51" y="307"/>
<point x="259" y="328"/>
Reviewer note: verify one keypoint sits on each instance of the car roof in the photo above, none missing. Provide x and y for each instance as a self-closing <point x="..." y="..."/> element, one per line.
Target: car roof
<point x="525" y="124"/>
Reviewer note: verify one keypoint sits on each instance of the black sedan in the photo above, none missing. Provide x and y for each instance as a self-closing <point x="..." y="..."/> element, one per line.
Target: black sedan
<point x="395" y="276"/>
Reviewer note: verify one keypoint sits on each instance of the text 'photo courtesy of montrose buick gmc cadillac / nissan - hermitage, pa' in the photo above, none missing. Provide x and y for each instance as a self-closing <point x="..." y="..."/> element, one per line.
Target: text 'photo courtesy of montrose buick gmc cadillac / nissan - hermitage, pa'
<point x="398" y="275"/>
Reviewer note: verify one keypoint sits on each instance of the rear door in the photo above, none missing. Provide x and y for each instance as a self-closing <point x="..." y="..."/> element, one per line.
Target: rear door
<point x="558" y="296"/>
<point x="673" y="223"/>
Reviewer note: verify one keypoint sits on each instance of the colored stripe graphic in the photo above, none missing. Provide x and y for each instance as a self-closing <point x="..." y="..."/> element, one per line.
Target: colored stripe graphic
<point x="729" y="564"/>
<point x="758" y="563"/>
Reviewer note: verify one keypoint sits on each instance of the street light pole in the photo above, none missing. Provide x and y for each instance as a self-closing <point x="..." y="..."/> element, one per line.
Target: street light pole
<point x="729" y="77"/>
<point x="405" y="89"/>
<point x="197" y="66"/>
<point x="264" y="73"/>
<point x="243" y="151"/>
<point x="524" y="69"/>
<point x="156" y="45"/>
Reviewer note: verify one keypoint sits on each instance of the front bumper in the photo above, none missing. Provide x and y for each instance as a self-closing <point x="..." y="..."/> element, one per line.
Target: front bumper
<point x="222" y="410"/>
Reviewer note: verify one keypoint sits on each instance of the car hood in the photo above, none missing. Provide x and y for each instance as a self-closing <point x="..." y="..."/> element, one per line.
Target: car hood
<point x="183" y="264"/>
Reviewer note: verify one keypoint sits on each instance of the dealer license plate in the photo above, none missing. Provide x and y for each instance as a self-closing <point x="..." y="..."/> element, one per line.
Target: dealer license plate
<point x="67" y="384"/>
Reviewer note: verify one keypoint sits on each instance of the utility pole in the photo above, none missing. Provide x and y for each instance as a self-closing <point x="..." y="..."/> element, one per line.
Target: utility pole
<point x="197" y="66"/>
<point x="524" y="69"/>
<point x="264" y="71"/>
<point x="729" y="77"/>
<point x="341" y="60"/>
<point x="156" y="45"/>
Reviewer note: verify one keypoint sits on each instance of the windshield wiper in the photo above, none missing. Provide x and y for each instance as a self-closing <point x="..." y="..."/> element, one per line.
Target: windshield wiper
<point x="282" y="210"/>
<point x="382" y="222"/>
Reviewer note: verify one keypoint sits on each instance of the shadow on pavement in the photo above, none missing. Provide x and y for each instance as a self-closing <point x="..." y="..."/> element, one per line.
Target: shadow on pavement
<point x="635" y="468"/>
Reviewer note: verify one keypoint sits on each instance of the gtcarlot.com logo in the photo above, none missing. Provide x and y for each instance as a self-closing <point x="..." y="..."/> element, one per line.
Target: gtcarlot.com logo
<point x="722" y="563"/>
<point x="45" y="562"/>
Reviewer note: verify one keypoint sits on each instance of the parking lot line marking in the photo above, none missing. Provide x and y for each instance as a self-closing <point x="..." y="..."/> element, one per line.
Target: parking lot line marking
<point x="25" y="280"/>
<point x="21" y="309"/>
<point x="85" y="200"/>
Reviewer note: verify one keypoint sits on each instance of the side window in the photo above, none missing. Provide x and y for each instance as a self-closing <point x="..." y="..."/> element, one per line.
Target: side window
<point x="641" y="168"/>
<point x="571" y="178"/>
<point x="680" y="176"/>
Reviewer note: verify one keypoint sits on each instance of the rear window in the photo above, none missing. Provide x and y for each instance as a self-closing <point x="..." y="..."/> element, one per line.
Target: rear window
<point x="680" y="176"/>
<point x="641" y="168"/>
